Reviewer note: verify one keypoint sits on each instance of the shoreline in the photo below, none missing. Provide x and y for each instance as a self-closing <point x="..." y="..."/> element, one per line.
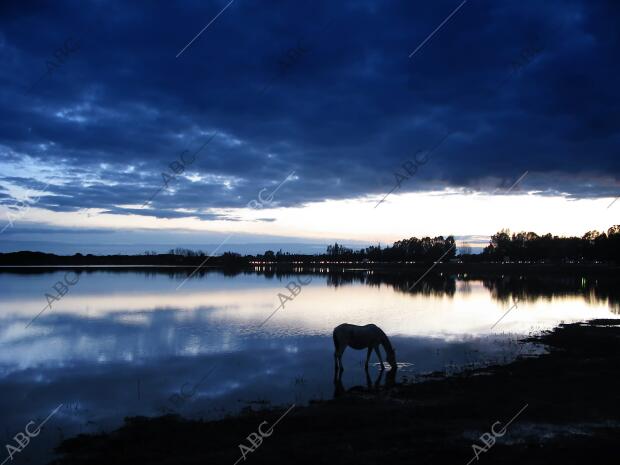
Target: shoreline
<point x="340" y="267"/>
<point x="572" y="414"/>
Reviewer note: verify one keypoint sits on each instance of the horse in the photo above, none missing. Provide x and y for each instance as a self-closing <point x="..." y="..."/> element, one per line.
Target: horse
<point x="362" y="337"/>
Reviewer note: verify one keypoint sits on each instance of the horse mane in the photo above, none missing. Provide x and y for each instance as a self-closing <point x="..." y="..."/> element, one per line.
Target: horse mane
<point x="387" y="345"/>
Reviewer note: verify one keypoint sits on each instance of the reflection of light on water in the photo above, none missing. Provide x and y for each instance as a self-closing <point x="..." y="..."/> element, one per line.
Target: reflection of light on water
<point x="136" y="318"/>
<point x="470" y="311"/>
<point x="192" y="345"/>
<point x="217" y="314"/>
<point x="94" y="344"/>
<point x="400" y="366"/>
<point x="404" y="366"/>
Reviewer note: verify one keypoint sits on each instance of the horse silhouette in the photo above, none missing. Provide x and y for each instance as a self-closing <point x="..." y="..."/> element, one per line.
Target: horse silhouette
<point x="362" y="337"/>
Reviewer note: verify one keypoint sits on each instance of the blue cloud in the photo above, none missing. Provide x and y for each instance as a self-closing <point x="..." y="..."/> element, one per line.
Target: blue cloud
<point x="344" y="114"/>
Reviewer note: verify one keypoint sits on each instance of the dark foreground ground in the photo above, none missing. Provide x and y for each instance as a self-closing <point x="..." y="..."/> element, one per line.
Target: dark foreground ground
<point x="564" y="407"/>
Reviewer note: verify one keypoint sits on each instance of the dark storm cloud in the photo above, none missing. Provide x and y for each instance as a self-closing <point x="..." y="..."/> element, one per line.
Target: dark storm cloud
<point x="344" y="114"/>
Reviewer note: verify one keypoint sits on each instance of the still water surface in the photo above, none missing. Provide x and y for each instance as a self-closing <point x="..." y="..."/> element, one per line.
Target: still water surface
<point x="123" y="343"/>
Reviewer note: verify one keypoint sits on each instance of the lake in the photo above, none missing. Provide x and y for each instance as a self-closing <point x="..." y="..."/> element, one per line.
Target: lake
<point x="145" y="342"/>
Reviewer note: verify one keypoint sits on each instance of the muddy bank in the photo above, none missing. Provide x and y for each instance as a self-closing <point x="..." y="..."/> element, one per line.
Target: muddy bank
<point x="564" y="408"/>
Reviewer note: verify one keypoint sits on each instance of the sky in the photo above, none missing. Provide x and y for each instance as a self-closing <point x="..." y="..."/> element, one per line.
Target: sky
<point x="251" y="124"/>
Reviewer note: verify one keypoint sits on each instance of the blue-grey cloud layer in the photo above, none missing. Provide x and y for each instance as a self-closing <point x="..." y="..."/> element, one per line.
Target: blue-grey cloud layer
<point x="523" y="85"/>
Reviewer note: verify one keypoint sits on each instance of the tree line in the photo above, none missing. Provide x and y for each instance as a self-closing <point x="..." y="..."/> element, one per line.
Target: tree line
<point x="593" y="246"/>
<point x="426" y="249"/>
<point x="529" y="246"/>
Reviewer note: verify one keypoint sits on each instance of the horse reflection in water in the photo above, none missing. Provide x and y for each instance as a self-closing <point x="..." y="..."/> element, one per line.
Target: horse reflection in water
<point x="390" y="380"/>
<point x="368" y="337"/>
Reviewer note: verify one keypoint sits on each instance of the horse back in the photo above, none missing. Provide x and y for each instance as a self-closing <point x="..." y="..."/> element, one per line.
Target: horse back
<point x="357" y="337"/>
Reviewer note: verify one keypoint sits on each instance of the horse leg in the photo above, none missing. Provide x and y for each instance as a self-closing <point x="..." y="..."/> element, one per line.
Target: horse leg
<point x="379" y="355"/>
<point x="338" y="386"/>
<point x="378" y="380"/>
<point x="335" y="360"/>
<point x="338" y="355"/>
<point x="368" y="357"/>
<point x="336" y="373"/>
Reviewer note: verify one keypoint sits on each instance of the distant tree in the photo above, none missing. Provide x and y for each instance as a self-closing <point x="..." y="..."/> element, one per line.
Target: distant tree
<point x="593" y="245"/>
<point x="339" y="251"/>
